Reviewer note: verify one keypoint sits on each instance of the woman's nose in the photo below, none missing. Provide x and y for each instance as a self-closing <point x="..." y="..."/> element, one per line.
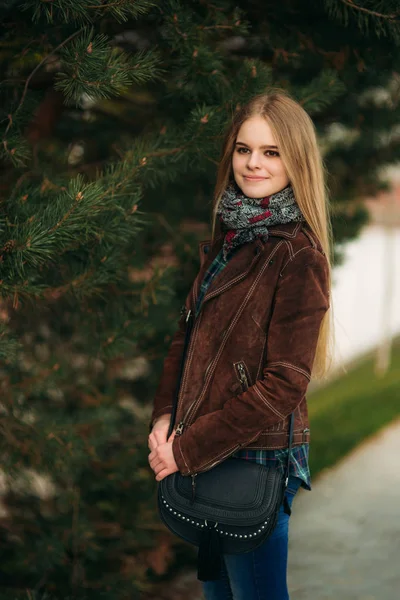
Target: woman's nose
<point x="253" y="161"/>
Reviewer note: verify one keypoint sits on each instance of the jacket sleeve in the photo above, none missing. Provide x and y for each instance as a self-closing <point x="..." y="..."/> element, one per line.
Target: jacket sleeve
<point x="301" y="300"/>
<point x="164" y="395"/>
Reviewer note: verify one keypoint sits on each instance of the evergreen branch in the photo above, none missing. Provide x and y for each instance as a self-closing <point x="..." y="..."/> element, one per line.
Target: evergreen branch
<point x="143" y="162"/>
<point x="122" y="10"/>
<point x="320" y="92"/>
<point x="209" y="5"/>
<point x="102" y="163"/>
<point x="218" y="27"/>
<point x="16" y="149"/>
<point x="92" y="67"/>
<point x="390" y="17"/>
<point x="111" y="5"/>
<point x="159" y="153"/>
<point x="71" y="37"/>
<point x="82" y="281"/>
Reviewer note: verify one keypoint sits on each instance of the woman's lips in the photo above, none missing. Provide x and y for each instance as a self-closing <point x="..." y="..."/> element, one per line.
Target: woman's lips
<point x="254" y="178"/>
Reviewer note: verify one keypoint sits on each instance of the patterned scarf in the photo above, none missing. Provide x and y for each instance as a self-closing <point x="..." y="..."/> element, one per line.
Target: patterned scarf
<point x="244" y="219"/>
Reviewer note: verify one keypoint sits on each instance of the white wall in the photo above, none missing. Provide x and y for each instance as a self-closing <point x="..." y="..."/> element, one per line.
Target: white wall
<point x="361" y="306"/>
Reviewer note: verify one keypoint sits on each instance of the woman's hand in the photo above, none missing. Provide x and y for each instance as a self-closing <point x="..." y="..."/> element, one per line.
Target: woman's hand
<point x="162" y="460"/>
<point x="161" y="457"/>
<point x="159" y="432"/>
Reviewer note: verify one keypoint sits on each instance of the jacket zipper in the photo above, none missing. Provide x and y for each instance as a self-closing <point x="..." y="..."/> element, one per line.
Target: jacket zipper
<point x="226" y="454"/>
<point x="181" y="424"/>
<point x="220" y="459"/>
<point x="242" y="375"/>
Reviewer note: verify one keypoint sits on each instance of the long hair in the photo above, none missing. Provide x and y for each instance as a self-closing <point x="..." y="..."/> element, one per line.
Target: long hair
<point x="295" y="136"/>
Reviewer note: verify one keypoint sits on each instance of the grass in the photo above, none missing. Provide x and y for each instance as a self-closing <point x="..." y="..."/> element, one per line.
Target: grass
<point x="350" y="409"/>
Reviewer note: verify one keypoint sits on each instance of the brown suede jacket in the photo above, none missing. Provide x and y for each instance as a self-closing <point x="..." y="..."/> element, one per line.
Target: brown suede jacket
<point x="251" y="349"/>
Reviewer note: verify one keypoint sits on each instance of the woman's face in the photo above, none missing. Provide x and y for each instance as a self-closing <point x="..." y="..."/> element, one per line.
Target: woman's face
<point x="257" y="166"/>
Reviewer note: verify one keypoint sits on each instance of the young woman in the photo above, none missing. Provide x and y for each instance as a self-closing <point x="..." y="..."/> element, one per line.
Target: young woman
<point x="261" y="326"/>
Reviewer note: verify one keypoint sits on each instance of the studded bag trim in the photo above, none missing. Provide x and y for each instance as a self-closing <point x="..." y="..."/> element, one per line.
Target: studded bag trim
<point x="237" y="498"/>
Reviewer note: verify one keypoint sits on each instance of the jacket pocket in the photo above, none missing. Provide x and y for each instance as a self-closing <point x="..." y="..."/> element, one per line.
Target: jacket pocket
<point x="242" y="374"/>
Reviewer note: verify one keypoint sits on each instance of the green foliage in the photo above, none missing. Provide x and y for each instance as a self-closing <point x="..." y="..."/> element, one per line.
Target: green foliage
<point x="95" y="70"/>
<point x="351" y="408"/>
<point x="373" y="18"/>
<point x="72" y="11"/>
<point x="329" y="86"/>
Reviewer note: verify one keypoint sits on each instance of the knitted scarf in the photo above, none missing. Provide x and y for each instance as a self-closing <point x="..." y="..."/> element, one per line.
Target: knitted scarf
<point x="244" y="219"/>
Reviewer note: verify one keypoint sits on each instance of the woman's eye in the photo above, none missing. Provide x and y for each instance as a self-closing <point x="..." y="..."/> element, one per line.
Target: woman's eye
<point x="272" y="153"/>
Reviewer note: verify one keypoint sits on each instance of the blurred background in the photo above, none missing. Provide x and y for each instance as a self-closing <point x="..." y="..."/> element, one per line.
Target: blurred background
<point x="112" y="120"/>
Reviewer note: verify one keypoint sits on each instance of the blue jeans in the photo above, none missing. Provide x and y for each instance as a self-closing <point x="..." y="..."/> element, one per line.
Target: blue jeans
<point x="260" y="574"/>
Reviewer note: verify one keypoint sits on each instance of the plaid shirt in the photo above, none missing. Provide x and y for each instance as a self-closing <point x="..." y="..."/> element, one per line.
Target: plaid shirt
<point x="299" y="459"/>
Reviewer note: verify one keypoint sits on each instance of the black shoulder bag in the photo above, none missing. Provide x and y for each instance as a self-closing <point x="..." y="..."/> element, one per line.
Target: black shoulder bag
<point x="232" y="508"/>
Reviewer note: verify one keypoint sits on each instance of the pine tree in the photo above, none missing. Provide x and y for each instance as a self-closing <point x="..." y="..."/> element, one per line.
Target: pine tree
<point x="112" y="115"/>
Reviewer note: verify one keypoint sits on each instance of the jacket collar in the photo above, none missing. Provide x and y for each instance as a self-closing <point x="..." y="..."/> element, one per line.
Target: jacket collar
<point x="285" y="230"/>
<point x="236" y="269"/>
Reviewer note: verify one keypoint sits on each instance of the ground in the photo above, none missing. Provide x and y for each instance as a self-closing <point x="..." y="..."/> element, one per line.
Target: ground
<point x="345" y="534"/>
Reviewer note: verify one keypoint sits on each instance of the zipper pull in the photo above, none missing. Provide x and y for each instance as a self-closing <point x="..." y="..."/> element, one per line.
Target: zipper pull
<point x="188" y="315"/>
<point x="179" y="429"/>
<point x="193" y="487"/>
<point x="243" y="376"/>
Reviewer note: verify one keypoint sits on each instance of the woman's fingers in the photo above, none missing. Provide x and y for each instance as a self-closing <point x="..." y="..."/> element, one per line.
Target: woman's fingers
<point x="154" y="461"/>
<point x="162" y="460"/>
<point x="157" y="461"/>
<point x="163" y="474"/>
<point x="159" y="467"/>
<point x="156" y="438"/>
<point x="152" y="442"/>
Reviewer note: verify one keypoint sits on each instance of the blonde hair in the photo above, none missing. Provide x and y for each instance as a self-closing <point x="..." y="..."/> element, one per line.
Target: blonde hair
<point x="295" y="136"/>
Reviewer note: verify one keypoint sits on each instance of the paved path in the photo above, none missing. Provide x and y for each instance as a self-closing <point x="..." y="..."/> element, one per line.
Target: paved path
<point x="345" y="534"/>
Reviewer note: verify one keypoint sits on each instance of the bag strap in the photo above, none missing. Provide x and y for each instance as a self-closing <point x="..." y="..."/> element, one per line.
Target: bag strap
<point x="291" y="428"/>
<point x="286" y="505"/>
